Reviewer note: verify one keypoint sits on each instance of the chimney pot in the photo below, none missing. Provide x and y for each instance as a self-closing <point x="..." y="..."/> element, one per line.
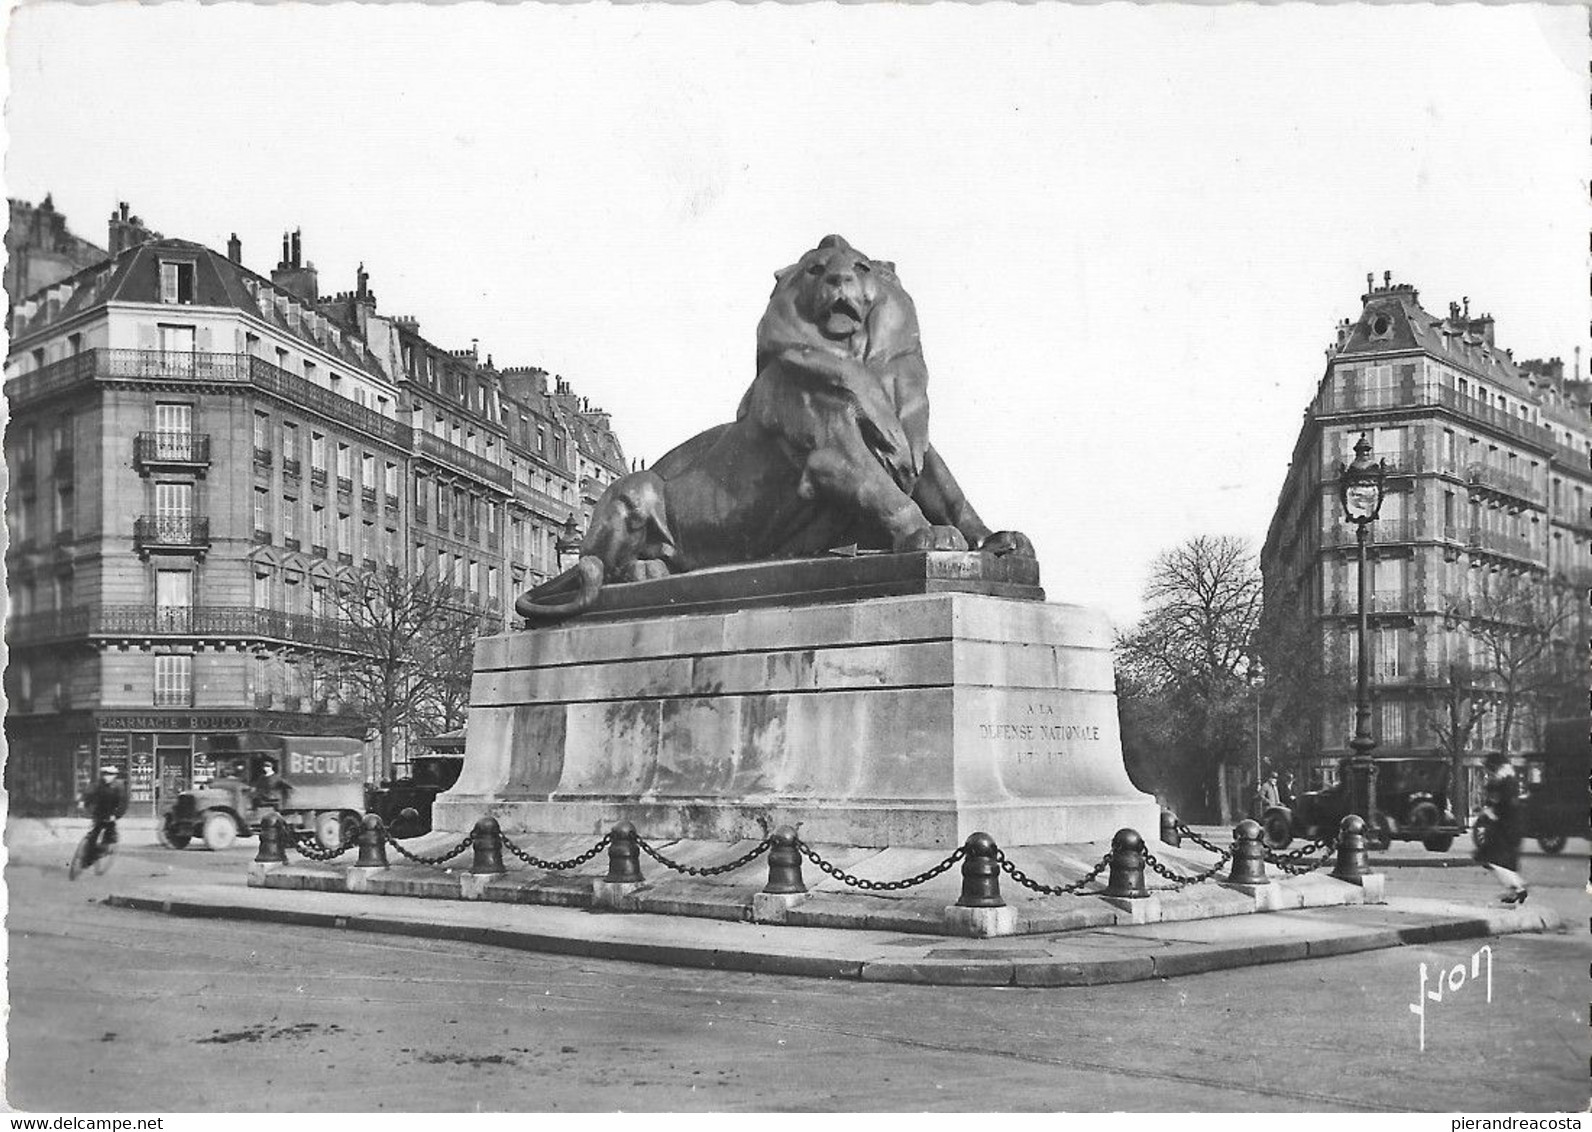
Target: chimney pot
<point x="235" y="248"/>
<point x="1387" y="279"/>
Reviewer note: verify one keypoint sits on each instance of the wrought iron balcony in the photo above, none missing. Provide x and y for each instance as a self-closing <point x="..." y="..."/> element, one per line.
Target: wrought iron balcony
<point x="1346" y="603"/>
<point x="1383" y="532"/>
<point x="262" y="457"/>
<point x="173" y="368"/>
<point x="292" y="467"/>
<point x="180" y="533"/>
<point x="317" y="477"/>
<point x="392" y="502"/>
<point x="344" y="485"/>
<point x="1496" y="481"/>
<point x="1482" y="540"/>
<point x="171" y="450"/>
<point x="367" y="496"/>
<point x="442" y="452"/>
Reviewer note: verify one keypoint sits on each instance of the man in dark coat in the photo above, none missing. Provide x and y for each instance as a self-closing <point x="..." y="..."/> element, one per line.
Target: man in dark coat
<point x="1498" y="828"/>
<point x="105" y="801"/>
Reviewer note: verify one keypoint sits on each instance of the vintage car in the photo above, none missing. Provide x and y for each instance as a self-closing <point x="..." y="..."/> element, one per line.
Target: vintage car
<point x="405" y="803"/>
<point x="327" y="781"/>
<point x="1411" y="805"/>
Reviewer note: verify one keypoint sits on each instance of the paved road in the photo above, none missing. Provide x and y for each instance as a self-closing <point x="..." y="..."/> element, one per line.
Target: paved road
<point x="188" y="1015"/>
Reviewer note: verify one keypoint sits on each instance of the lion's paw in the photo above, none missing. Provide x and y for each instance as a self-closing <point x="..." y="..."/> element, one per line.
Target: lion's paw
<point x="1002" y="543"/>
<point x="645" y="570"/>
<point x="933" y="538"/>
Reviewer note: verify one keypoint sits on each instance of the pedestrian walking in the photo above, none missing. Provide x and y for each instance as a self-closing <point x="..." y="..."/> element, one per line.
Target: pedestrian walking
<point x="1498" y="828"/>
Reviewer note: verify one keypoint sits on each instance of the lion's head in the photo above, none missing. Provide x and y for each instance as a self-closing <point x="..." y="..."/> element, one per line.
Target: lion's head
<point x="838" y="298"/>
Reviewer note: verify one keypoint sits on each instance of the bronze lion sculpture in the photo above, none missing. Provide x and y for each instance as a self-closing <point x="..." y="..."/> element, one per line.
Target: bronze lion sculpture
<point x="829" y="447"/>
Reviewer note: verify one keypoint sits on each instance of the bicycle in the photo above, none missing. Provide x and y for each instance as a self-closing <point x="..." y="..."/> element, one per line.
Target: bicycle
<point x="90" y="855"/>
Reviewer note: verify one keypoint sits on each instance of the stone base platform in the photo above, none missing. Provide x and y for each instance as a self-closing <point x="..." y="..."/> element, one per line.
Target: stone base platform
<point x="908" y="721"/>
<point x="927" y="909"/>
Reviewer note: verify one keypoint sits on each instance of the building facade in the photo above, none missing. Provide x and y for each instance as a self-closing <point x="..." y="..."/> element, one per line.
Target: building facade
<point x="1486" y="516"/>
<point x="199" y="456"/>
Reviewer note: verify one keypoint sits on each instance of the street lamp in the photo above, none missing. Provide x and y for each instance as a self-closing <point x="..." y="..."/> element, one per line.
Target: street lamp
<point x="1361" y="487"/>
<point x="568" y="541"/>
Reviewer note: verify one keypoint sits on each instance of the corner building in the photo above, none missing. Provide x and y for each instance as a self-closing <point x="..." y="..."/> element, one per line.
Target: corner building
<point x="198" y="455"/>
<point x="1488" y="475"/>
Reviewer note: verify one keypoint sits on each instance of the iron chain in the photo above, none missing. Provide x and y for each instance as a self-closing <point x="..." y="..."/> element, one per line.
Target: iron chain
<point x="468" y="841"/>
<point x="304" y="842"/>
<point x="1180" y="880"/>
<point x="1296" y="863"/>
<point x="1197" y="839"/>
<point x="706" y="871"/>
<point x="879" y="885"/>
<point x="1072" y="889"/>
<point x="556" y="866"/>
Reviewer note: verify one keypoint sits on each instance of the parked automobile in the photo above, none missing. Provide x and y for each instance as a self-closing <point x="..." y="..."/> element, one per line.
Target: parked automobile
<point x="327" y="780"/>
<point x="429" y="775"/>
<point x="1412" y="804"/>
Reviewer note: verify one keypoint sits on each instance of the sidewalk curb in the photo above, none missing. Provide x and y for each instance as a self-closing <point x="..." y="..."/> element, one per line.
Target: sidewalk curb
<point x="1001" y="968"/>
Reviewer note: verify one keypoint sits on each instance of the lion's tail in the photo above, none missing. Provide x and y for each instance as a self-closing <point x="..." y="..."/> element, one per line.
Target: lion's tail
<point x="557" y="599"/>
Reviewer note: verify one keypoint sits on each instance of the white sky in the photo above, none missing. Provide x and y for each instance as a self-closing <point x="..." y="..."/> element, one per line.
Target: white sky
<point x="1129" y="230"/>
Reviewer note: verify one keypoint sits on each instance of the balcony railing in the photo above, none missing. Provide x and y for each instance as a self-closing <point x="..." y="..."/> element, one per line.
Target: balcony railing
<point x="1512" y="546"/>
<point x="289" y="542"/>
<point x="1498" y="481"/>
<point x="171" y="449"/>
<point x="452" y="455"/>
<point x="367" y="495"/>
<point x="1569" y="457"/>
<point x="1346" y="603"/>
<point x="211" y="621"/>
<point x="262" y="457"/>
<point x="392" y="502"/>
<point x="1409" y="393"/>
<point x="171" y="532"/>
<point x="344" y="485"/>
<point x="201" y="368"/>
<point x="1383" y="531"/>
<point x="317" y="477"/>
<point x="292" y="467"/>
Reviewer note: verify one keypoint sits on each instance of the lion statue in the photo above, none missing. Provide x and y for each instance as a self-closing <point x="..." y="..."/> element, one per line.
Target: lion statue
<point x="829" y="447"/>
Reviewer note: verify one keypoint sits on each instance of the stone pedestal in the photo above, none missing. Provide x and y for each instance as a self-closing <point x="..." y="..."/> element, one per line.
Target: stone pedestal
<point x="909" y="720"/>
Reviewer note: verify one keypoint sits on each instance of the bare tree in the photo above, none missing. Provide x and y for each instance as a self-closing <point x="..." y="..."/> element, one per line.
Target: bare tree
<point x="1454" y="711"/>
<point x="1522" y="633"/>
<point x="1185" y="673"/>
<point x="400" y="636"/>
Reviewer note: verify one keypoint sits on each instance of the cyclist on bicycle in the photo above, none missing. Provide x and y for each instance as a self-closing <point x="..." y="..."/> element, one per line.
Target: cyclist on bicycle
<point x="106" y="801"/>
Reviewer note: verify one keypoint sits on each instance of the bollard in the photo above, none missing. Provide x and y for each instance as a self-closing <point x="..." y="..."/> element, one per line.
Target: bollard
<point x="624" y="855"/>
<point x="1249" y="855"/>
<point x="1169" y="831"/>
<point x="784" y="864"/>
<point x="487" y="840"/>
<point x="1127" y="865"/>
<point x="981" y="873"/>
<point x="1353" y="861"/>
<point x="372" y="844"/>
<point x="272" y="851"/>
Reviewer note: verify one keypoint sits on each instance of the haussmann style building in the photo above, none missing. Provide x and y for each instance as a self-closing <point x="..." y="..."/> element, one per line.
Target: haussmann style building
<point x="1488" y="490"/>
<point x="197" y="454"/>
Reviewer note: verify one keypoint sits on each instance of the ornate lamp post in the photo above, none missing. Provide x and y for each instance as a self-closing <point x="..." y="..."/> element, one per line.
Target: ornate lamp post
<point x="1361" y="486"/>
<point x="568" y="541"/>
